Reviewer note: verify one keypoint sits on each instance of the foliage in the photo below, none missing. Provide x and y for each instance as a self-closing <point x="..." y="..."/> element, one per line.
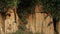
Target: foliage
<point x="11" y="3"/>
<point x="22" y="32"/>
<point x="53" y="7"/>
<point x="8" y="3"/>
<point x="2" y="5"/>
<point x="25" y="6"/>
<point x="26" y="32"/>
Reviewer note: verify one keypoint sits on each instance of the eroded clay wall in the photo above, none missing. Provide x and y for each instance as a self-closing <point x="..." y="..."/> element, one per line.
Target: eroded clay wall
<point x="58" y="27"/>
<point x="2" y="29"/>
<point x="10" y="22"/>
<point x="40" y="22"/>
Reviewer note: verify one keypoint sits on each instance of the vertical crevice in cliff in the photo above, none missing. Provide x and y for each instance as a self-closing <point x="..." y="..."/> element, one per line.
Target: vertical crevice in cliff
<point x="55" y="23"/>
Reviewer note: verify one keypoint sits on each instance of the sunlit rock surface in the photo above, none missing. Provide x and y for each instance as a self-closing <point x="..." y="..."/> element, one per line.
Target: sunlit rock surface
<point x="1" y="29"/>
<point x="10" y="22"/>
<point x="37" y="22"/>
<point x="40" y="22"/>
<point x="58" y="27"/>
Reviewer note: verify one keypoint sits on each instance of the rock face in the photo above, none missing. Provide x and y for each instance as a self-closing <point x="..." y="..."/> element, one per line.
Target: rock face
<point x="10" y="22"/>
<point x="2" y="24"/>
<point x="40" y="22"/>
<point x="1" y="29"/>
<point x="58" y="27"/>
<point x="37" y="22"/>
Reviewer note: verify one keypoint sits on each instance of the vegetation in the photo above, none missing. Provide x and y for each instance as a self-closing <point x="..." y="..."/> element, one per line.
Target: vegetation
<point x="25" y="7"/>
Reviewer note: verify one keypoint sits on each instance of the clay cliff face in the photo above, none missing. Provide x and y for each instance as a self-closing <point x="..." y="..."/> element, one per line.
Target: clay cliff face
<point x="1" y="21"/>
<point x="37" y="22"/>
<point x="40" y="22"/>
<point x="58" y="27"/>
<point x="8" y="25"/>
